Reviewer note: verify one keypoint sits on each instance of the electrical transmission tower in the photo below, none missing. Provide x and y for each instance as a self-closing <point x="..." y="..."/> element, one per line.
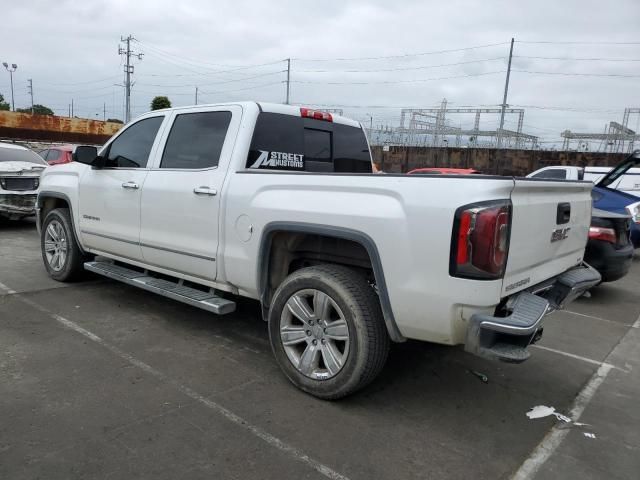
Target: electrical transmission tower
<point x="424" y="123"/>
<point x="128" y="70"/>
<point x="617" y="137"/>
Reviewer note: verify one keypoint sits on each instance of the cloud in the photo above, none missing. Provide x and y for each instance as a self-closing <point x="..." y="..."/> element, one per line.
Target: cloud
<point x="69" y="49"/>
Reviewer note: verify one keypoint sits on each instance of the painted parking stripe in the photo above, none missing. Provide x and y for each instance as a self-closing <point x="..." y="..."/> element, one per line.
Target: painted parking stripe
<point x="627" y="325"/>
<point x="577" y="357"/>
<point x="273" y="441"/>
<point x="557" y="434"/>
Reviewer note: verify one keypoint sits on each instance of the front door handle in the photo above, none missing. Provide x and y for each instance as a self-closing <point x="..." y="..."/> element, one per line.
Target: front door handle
<point x="132" y="185"/>
<point x="205" y="191"/>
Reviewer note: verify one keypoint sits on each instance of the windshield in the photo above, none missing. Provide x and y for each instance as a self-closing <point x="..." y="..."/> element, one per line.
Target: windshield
<point x="19" y="155"/>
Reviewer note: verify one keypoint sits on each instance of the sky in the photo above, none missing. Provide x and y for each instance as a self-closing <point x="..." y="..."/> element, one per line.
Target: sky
<point x="576" y="63"/>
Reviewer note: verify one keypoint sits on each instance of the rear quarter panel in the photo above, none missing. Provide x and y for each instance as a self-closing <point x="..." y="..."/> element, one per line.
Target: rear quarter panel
<point x="410" y="219"/>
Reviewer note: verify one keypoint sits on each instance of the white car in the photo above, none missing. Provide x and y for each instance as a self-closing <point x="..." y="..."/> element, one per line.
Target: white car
<point x="628" y="183"/>
<point x="20" y="171"/>
<point x="279" y="203"/>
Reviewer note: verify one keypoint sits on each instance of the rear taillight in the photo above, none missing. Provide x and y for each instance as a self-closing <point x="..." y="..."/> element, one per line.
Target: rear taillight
<point x="315" y="114"/>
<point x="480" y="241"/>
<point x="604" y="234"/>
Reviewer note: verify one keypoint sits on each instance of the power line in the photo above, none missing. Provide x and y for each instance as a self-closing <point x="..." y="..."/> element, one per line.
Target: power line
<point x="578" y="43"/>
<point x="201" y="62"/>
<point x="581" y="59"/>
<point x="578" y="74"/>
<point x="220" y="82"/>
<point x="403" y="55"/>
<point x="111" y="78"/>
<point x="388" y="82"/>
<point x="174" y="59"/>
<point x="397" y="69"/>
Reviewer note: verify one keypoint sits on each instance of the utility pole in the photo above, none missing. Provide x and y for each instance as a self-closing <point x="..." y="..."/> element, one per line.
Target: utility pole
<point x="196" y="96"/>
<point x="504" y="99"/>
<point x="104" y="112"/>
<point x="11" y="69"/>
<point x="31" y="93"/>
<point x="128" y="70"/>
<point x="72" y="108"/>
<point x="288" y="78"/>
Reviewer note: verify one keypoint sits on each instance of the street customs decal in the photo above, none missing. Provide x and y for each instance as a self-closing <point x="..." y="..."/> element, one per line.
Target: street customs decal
<point x="262" y="159"/>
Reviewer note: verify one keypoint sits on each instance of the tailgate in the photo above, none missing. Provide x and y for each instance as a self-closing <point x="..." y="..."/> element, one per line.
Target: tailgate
<point x="549" y="230"/>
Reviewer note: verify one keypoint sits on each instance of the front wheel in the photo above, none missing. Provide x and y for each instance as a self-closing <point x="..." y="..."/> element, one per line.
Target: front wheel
<point x="327" y="331"/>
<point x="61" y="254"/>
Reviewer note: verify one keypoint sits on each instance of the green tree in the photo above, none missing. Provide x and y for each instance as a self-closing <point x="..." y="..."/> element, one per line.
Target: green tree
<point x="114" y="120"/>
<point x="37" y="110"/>
<point x="160" y="102"/>
<point x="3" y="105"/>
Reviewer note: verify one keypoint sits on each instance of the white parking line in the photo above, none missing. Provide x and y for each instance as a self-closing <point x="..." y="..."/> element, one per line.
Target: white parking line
<point x="577" y="357"/>
<point x="554" y="438"/>
<point x="599" y="318"/>
<point x="556" y="435"/>
<point x="6" y="289"/>
<point x="275" y="442"/>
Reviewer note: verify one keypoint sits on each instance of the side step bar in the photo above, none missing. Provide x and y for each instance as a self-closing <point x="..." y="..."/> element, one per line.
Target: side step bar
<point x="174" y="290"/>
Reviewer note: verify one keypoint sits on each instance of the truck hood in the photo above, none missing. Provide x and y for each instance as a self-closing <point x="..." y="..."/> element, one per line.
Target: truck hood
<point x="616" y="172"/>
<point x="27" y="169"/>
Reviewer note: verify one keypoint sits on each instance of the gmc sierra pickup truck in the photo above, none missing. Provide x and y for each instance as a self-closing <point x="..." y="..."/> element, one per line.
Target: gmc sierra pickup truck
<point x="279" y="204"/>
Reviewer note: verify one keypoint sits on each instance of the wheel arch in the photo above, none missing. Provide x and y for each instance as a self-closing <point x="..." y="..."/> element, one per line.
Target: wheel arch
<point x="359" y="238"/>
<point x="48" y="201"/>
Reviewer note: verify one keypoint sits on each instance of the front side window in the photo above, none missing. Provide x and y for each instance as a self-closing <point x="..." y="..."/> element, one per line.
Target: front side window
<point x="196" y="140"/>
<point x="132" y="147"/>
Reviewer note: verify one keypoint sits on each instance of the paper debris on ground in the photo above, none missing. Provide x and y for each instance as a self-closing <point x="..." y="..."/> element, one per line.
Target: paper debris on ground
<point x="541" y="411"/>
<point x="589" y="435"/>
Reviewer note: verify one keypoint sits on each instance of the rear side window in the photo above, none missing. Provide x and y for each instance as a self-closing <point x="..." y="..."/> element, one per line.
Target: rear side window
<point x="286" y="142"/>
<point x="196" y="140"/>
<point x="553" y="173"/>
<point x="132" y="147"/>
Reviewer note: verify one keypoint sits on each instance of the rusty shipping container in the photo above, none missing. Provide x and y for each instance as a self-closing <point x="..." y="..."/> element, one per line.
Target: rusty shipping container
<point x="51" y="128"/>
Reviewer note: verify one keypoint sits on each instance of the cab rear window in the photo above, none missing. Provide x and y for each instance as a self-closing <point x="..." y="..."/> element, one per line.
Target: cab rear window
<point x="286" y="142"/>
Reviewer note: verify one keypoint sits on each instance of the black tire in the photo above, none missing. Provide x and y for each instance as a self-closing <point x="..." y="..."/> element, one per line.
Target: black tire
<point x="360" y="306"/>
<point x="72" y="268"/>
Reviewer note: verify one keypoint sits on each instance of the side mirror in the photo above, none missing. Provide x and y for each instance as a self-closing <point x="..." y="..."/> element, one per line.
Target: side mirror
<point x="85" y="154"/>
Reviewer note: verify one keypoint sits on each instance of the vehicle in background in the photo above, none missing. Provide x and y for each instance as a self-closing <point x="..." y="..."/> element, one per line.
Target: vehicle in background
<point x="20" y="170"/>
<point x="443" y="171"/>
<point x="605" y="195"/>
<point x="609" y="248"/>
<point x="628" y="183"/>
<point x="58" y="154"/>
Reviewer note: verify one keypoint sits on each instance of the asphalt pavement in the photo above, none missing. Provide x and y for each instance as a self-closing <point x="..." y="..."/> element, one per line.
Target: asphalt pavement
<point x="102" y="380"/>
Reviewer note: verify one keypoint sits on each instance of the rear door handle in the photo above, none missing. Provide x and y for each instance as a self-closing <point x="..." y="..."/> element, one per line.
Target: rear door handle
<point x="131" y="185"/>
<point x="205" y="191"/>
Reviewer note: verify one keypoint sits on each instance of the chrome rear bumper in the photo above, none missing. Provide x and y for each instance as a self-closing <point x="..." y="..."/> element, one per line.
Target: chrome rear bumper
<point x="507" y="338"/>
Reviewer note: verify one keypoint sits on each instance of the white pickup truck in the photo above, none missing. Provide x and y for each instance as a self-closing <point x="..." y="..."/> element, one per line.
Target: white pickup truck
<point x="279" y="204"/>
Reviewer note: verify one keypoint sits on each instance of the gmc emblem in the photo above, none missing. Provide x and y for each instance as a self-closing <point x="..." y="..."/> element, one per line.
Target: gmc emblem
<point x="559" y="234"/>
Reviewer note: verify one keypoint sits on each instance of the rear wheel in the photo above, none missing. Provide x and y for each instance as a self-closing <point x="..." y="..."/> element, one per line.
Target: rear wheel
<point x="61" y="254"/>
<point x="327" y="331"/>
